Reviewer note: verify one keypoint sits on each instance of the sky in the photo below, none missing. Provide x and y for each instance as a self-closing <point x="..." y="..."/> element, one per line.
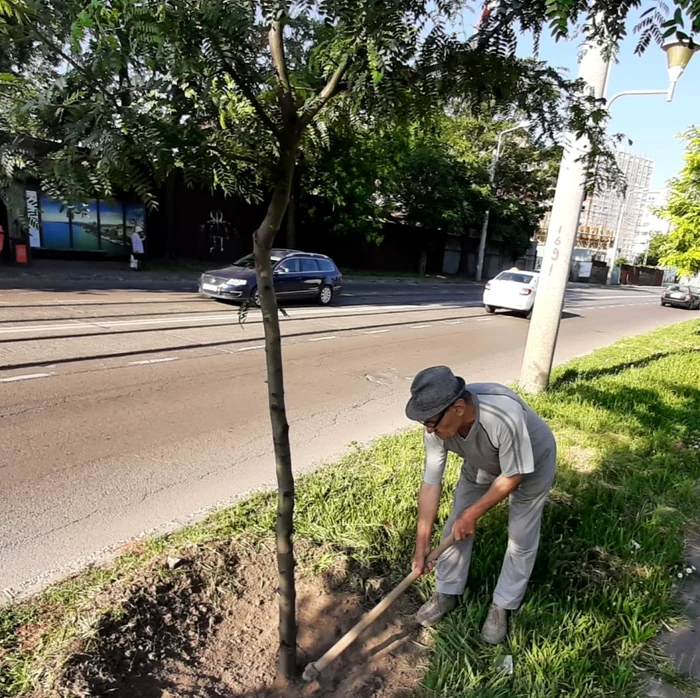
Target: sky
<point x="649" y="122"/>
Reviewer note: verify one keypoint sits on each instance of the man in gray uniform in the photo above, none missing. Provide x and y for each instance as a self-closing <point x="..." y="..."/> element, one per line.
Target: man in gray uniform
<point x="508" y="451"/>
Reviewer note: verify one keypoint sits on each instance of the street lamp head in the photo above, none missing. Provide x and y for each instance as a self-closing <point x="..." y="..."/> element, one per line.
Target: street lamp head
<point x="678" y="55"/>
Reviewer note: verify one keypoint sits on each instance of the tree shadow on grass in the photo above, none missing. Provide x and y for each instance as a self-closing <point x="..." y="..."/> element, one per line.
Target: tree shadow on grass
<point x="572" y="375"/>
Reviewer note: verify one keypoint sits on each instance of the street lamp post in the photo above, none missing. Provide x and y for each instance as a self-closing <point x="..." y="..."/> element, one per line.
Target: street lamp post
<point x="492" y="178"/>
<point x="563" y="226"/>
<point x="618" y="231"/>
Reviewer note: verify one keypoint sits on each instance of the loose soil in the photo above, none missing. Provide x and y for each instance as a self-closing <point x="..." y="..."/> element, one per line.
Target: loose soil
<point x="205" y="625"/>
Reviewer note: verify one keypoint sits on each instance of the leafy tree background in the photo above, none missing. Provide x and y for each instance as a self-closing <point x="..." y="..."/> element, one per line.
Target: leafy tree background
<point x="681" y="247"/>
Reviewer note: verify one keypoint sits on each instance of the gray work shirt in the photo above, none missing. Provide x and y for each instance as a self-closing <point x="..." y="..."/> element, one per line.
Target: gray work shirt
<point x="507" y="438"/>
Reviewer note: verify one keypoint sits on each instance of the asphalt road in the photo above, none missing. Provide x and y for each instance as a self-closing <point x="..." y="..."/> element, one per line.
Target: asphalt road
<point x="127" y="411"/>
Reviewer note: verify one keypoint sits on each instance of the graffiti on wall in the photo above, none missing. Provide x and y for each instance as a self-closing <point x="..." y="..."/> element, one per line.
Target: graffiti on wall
<point x="32" y="199"/>
<point x="219" y="232"/>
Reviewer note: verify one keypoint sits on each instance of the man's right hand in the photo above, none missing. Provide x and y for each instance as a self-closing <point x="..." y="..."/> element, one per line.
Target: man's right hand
<point x="419" y="564"/>
<point x="428" y="503"/>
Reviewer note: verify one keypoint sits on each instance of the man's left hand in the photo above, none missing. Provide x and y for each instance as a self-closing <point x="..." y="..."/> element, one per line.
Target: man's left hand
<point x="464" y="526"/>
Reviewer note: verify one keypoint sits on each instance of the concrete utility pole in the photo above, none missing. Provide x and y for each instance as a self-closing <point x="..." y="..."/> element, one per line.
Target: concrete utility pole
<point x="492" y="179"/>
<point x="561" y="237"/>
<point x="566" y="209"/>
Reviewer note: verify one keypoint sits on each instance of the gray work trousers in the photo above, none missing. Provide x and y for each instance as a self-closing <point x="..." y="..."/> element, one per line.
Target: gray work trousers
<point x="524" y="519"/>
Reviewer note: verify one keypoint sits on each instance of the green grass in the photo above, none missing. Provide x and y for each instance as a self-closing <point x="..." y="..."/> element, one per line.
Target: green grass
<point x="627" y="420"/>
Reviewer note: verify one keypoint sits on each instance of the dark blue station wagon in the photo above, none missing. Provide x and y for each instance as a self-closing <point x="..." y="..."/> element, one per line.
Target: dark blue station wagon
<point x="297" y="275"/>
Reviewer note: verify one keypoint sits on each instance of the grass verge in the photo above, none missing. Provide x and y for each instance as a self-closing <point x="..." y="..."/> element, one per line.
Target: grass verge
<point x="627" y="420"/>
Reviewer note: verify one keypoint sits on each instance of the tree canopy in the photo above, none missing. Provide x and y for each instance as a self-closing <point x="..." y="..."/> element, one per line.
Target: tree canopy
<point x="655" y="250"/>
<point x="133" y="90"/>
<point x="433" y="177"/>
<point x="681" y="247"/>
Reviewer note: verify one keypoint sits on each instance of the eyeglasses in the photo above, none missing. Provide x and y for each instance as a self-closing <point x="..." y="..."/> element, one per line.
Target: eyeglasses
<point x="434" y="423"/>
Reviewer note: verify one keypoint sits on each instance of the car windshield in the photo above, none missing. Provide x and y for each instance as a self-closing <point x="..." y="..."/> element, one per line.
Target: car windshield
<point x="678" y="289"/>
<point x="514" y="276"/>
<point x="248" y="262"/>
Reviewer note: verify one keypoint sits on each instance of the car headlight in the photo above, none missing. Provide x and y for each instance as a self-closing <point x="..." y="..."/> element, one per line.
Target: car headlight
<point x="236" y="282"/>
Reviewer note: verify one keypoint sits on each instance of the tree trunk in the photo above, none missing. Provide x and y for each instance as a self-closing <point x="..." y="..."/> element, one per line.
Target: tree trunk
<point x="170" y="215"/>
<point x="292" y="222"/>
<point x="263" y="239"/>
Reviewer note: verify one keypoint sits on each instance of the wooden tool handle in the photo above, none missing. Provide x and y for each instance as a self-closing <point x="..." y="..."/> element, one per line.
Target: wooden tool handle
<point x="377" y="611"/>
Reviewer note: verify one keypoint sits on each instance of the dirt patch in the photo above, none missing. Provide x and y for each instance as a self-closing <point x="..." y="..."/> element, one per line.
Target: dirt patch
<point x="205" y="625"/>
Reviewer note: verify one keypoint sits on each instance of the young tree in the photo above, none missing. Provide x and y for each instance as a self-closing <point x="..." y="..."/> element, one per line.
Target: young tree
<point x="229" y="92"/>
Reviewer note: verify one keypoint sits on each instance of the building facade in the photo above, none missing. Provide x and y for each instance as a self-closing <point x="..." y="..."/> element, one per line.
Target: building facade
<point x="651" y="223"/>
<point x="600" y="212"/>
<point x="638" y="171"/>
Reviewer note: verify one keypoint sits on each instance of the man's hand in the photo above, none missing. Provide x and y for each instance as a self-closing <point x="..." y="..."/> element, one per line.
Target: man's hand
<point x="465" y="525"/>
<point x="428" y="502"/>
<point x="419" y="564"/>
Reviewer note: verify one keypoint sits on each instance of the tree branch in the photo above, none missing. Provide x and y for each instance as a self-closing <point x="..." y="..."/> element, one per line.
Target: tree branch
<point x="247" y="91"/>
<point x="71" y="61"/>
<point x="279" y="60"/>
<point x="326" y="94"/>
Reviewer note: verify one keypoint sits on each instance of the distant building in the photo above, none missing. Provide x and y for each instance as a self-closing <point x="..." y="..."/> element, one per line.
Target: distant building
<point x="600" y="212"/>
<point x="651" y="222"/>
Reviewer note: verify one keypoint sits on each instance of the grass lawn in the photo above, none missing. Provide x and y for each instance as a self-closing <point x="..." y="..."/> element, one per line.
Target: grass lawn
<point x="627" y="420"/>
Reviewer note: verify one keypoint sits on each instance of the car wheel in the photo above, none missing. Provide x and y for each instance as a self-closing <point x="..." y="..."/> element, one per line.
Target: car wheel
<point x="489" y="309"/>
<point x="663" y="305"/>
<point x="255" y="297"/>
<point x="325" y="295"/>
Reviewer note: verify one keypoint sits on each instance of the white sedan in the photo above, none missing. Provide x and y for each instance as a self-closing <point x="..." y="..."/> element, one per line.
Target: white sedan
<point x="512" y="290"/>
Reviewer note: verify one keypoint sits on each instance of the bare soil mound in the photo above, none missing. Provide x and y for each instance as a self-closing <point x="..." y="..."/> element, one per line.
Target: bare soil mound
<point x="205" y="625"/>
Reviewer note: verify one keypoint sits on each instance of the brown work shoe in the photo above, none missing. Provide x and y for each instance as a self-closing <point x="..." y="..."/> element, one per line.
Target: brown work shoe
<point x="496" y="626"/>
<point x="435" y="608"/>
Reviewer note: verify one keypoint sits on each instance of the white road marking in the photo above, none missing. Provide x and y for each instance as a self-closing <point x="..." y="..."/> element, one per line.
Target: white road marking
<point x="418" y="327"/>
<point x="231" y="317"/>
<point x="484" y="319"/>
<point x="258" y="346"/>
<point x="452" y="322"/>
<point x="618" y="296"/>
<point x="184" y="297"/>
<point x="322" y="339"/>
<point x="152" y="361"/>
<point x="223" y="317"/>
<point x="26" y="377"/>
<point x="376" y="331"/>
<point x="110" y="325"/>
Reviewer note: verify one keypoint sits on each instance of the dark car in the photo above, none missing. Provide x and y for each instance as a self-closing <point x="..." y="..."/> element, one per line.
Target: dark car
<point x="681" y="297"/>
<point x="297" y="275"/>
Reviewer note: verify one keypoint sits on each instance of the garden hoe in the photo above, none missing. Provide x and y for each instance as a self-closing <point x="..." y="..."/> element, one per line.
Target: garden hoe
<point x="313" y="669"/>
